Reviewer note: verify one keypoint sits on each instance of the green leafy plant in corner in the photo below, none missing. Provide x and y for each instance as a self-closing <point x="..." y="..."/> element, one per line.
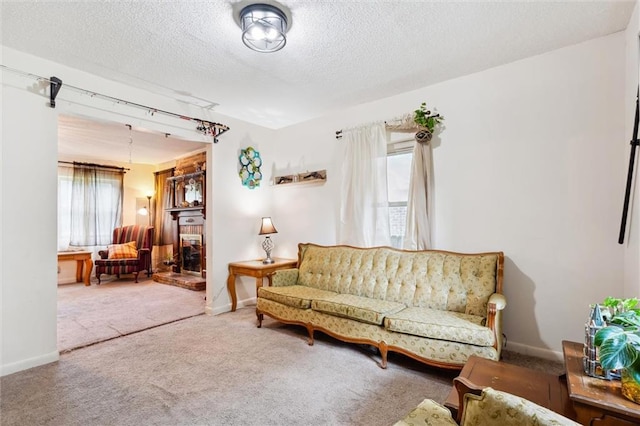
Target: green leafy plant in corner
<point x="619" y="341"/>
<point x="424" y="118"/>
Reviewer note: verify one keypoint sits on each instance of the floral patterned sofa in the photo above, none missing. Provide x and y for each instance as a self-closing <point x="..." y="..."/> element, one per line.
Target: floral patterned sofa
<point x="434" y="306"/>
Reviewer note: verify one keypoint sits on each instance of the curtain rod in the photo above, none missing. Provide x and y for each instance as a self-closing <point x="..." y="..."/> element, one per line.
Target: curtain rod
<point x="399" y="118"/>
<point x="204" y="126"/>
<point x="75" y="163"/>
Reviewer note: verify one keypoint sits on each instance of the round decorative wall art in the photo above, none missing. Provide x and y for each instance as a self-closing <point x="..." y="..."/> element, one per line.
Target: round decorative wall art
<point x="250" y="163"/>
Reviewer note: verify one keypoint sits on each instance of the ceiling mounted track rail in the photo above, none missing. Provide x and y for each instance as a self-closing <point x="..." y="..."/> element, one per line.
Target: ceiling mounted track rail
<point x="54" y="87"/>
<point x="55" y="84"/>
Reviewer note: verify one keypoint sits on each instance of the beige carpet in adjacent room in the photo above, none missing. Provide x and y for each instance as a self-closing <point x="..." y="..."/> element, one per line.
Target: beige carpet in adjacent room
<point x="222" y="370"/>
<point x="87" y="315"/>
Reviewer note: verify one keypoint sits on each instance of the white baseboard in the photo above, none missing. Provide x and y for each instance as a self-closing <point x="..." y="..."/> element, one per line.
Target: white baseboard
<point x="534" y="351"/>
<point x="25" y="364"/>
<point x="227" y="308"/>
<point x="217" y="311"/>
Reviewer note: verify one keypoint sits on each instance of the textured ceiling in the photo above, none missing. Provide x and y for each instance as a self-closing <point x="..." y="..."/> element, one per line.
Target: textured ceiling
<point x="338" y="53"/>
<point x="87" y="140"/>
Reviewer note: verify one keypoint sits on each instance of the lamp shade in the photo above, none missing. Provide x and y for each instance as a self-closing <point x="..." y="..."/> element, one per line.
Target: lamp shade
<point x="267" y="227"/>
<point x="263" y="27"/>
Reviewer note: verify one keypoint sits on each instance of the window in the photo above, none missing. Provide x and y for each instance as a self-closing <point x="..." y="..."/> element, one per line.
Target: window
<point x="399" y="156"/>
<point x="89" y="206"/>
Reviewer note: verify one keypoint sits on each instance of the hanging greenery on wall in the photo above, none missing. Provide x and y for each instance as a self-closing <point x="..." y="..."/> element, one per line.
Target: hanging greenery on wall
<point x="426" y="121"/>
<point x="250" y="163"/>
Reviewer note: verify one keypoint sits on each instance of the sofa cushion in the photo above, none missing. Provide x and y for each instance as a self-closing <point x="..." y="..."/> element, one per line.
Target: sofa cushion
<point x="359" y="308"/>
<point x="340" y="269"/>
<point x="428" y="413"/>
<point x="500" y="408"/>
<point x="297" y="296"/>
<point x="442" y="325"/>
<point x="284" y="277"/>
<point x="115" y="263"/>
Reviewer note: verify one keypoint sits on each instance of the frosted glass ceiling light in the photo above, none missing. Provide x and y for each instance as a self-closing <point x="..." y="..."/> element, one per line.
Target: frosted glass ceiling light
<point x="263" y="27"/>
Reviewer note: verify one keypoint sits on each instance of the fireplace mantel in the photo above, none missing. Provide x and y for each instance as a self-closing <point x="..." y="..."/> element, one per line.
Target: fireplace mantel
<point x="176" y="212"/>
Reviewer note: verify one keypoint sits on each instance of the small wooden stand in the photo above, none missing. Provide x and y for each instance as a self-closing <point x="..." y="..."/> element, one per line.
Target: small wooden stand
<point x="596" y="401"/>
<point x="84" y="264"/>
<point x="256" y="269"/>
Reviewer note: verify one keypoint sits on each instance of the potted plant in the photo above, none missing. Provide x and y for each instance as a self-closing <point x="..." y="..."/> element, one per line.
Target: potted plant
<point x="426" y="121"/>
<point x="619" y="344"/>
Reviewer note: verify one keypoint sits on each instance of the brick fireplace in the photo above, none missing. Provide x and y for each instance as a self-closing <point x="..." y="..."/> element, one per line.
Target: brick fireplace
<point x="189" y="248"/>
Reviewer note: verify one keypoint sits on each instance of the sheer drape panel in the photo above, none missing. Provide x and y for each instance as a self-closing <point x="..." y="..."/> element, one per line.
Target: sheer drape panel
<point x="162" y="221"/>
<point x="65" y="180"/>
<point x="419" y="206"/>
<point x="96" y="205"/>
<point x="364" y="212"/>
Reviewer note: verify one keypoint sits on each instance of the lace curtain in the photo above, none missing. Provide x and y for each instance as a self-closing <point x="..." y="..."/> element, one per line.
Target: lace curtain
<point x="96" y="205"/>
<point x="65" y="181"/>
<point x="364" y="213"/>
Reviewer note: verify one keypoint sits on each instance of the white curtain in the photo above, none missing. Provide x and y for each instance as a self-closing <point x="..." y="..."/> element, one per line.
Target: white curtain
<point x="364" y="212"/>
<point x="419" y="206"/>
<point x="96" y="205"/>
<point x="65" y="180"/>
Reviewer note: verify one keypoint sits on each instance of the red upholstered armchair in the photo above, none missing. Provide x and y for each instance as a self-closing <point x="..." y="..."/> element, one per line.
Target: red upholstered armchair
<point x="123" y="258"/>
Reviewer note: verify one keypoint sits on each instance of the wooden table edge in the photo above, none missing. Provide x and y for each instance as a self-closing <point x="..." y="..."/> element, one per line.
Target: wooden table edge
<point x="573" y="350"/>
<point x="245" y="267"/>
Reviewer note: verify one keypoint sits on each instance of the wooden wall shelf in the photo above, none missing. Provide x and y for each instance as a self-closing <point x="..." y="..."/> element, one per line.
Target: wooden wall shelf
<point x="318" y="176"/>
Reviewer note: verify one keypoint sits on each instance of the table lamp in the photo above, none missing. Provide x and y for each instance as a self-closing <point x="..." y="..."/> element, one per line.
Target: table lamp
<point x="267" y="245"/>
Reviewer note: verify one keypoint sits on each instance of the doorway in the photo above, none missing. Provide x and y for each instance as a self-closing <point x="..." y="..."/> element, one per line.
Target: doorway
<point x="119" y="306"/>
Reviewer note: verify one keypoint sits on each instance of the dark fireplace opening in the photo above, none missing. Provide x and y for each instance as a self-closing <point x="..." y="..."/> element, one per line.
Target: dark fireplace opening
<point x="191" y="253"/>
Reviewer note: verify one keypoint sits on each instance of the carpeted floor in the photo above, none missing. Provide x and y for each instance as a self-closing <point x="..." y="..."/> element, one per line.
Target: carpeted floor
<point x="222" y="370"/>
<point x="87" y="315"/>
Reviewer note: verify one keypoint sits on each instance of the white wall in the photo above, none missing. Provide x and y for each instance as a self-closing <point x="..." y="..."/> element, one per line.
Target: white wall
<point x="28" y="231"/>
<point x="28" y="192"/>
<point x="236" y="210"/>
<point x="528" y="163"/>
<point x="632" y="238"/>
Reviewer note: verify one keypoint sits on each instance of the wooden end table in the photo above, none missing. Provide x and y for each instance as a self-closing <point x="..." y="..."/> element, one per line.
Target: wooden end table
<point x="257" y="269"/>
<point x="596" y="401"/>
<point x="84" y="264"/>
<point x="541" y="388"/>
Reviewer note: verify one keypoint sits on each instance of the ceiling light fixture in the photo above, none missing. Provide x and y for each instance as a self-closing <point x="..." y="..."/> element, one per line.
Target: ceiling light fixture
<point x="263" y="27"/>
